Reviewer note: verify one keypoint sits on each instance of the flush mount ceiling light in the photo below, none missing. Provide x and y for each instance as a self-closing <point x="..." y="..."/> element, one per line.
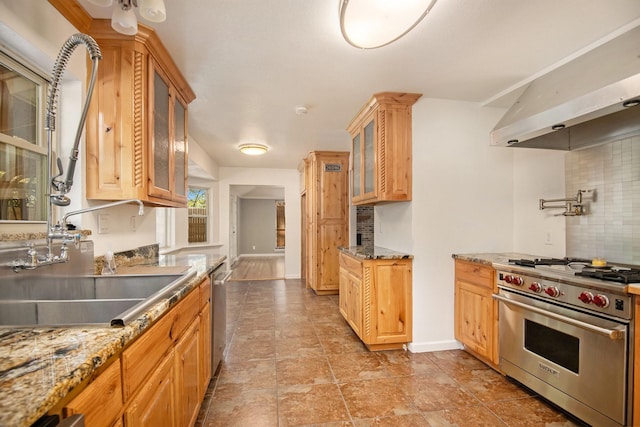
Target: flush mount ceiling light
<point x="253" y="149"/>
<point x="369" y="24"/>
<point x="123" y="18"/>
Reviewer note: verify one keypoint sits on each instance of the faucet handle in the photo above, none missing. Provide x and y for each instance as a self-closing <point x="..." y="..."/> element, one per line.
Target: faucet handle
<point x="32" y="253"/>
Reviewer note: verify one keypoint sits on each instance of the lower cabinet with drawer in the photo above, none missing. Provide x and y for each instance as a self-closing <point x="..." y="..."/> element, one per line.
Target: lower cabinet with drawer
<point x="476" y="312"/>
<point x="375" y="299"/>
<point x="158" y="380"/>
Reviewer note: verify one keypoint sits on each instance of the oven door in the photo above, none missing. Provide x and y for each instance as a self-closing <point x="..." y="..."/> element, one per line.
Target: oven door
<point x="574" y="359"/>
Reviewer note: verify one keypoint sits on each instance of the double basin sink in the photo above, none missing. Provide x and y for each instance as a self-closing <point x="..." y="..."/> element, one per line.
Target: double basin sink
<point x="84" y="300"/>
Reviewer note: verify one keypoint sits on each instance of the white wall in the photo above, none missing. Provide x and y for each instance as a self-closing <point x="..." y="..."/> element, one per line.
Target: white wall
<point x="287" y="178"/>
<point x="462" y="202"/>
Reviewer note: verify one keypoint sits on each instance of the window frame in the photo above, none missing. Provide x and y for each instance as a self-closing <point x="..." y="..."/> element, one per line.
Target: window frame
<point x="207" y="216"/>
<point x="29" y="71"/>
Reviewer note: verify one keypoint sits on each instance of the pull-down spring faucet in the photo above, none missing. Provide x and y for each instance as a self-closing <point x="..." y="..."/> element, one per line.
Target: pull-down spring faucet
<point x="63" y="186"/>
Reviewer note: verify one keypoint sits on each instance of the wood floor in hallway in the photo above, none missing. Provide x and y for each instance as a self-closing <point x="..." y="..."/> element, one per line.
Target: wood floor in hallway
<point x="258" y="268"/>
<point x="292" y="360"/>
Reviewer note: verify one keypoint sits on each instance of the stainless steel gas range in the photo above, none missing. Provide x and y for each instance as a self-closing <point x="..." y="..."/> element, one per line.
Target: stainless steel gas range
<point x="566" y="332"/>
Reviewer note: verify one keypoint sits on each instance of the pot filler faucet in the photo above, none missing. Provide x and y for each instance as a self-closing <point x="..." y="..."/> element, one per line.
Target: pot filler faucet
<point x="60" y="187"/>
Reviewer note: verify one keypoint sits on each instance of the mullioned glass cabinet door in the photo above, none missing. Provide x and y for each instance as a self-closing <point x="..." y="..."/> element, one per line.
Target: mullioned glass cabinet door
<point x="357" y="166"/>
<point x="369" y="158"/>
<point x="161" y="142"/>
<point x="180" y="149"/>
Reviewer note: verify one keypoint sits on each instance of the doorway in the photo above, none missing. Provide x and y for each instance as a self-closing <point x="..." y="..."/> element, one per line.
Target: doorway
<point x="257" y="228"/>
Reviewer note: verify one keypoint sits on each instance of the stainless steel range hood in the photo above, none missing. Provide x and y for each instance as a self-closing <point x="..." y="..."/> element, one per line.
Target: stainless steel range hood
<point x="585" y="102"/>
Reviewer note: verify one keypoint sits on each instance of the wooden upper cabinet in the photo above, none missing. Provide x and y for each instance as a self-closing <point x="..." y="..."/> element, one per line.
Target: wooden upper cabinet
<point x="381" y="149"/>
<point x="137" y="121"/>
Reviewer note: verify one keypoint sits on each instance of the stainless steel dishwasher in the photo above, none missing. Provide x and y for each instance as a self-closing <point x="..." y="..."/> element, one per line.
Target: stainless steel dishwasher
<point x="219" y="278"/>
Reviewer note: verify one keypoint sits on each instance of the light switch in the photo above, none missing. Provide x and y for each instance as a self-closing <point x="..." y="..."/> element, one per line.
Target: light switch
<point x="103" y="223"/>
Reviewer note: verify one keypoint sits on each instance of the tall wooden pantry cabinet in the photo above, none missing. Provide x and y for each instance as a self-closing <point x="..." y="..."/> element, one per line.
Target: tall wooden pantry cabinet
<point x="325" y="217"/>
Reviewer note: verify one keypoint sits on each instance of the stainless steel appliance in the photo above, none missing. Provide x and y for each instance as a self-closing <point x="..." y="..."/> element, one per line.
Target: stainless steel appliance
<point x="568" y="336"/>
<point x="219" y="278"/>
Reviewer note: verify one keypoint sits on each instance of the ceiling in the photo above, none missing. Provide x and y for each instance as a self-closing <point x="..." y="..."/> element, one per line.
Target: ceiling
<point x="252" y="62"/>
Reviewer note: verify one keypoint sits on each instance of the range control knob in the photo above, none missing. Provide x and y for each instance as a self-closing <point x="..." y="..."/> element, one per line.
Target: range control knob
<point x="601" y="301"/>
<point x="535" y="287"/>
<point x="586" y="297"/>
<point x="552" y="291"/>
<point x="508" y="278"/>
<point x="518" y="281"/>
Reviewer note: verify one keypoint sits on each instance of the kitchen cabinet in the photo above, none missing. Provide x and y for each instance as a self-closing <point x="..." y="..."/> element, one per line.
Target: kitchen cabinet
<point x="155" y="404"/>
<point x="187" y="376"/>
<point x="351" y="292"/>
<point x="146" y="352"/>
<point x="376" y="300"/>
<point x="381" y="149"/>
<point x="204" y="376"/>
<point x="325" y="221"/>
<point x="136" y="136"/>
<point x="636" y="362"/>
<point x="476" y="312"/>
<point x="160" y="378"/>
<point x="102" y="411"/>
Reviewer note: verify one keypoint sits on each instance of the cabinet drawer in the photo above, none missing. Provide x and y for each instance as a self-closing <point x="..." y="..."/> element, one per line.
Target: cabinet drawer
<point x="205" y="292"/>
<point x="143" y="355"/>
<point x="475" y="273"/>
<point x="102" y="411"/>
<point x="351" y="264"/>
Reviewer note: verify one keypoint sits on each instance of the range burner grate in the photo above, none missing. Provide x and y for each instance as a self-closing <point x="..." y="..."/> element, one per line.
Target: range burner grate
<point x="621" y="276"/>
<point x="546" y="261"/>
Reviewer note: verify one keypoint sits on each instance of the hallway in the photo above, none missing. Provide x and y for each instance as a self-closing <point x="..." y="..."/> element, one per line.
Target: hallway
<point x="293" y="361"/>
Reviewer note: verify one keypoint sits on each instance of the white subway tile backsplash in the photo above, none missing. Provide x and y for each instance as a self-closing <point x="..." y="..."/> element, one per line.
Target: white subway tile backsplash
<point x="611" y="228"/>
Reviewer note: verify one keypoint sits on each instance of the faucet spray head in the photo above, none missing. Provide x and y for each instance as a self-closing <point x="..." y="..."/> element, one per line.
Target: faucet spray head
<point x="60" y="200"/>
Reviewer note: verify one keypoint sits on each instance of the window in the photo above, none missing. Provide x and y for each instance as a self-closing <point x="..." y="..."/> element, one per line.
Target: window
<point x="23" y="151"/>
<point x="197" y="203"/>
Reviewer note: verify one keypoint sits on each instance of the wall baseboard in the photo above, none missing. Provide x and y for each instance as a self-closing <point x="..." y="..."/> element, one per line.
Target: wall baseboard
<point x="261" y="255"/>
<point x="424" y="347"/>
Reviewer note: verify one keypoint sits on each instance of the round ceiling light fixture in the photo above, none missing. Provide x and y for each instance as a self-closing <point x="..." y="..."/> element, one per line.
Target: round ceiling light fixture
<point x="368" y="24"/>
<point x="253" y="149"/>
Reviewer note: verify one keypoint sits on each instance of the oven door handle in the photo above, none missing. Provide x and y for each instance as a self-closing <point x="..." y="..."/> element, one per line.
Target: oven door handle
<point x="614" y="334"/>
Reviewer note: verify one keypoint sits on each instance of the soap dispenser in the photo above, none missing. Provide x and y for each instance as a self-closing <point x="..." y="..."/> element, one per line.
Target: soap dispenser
<point x="109" y="266"/>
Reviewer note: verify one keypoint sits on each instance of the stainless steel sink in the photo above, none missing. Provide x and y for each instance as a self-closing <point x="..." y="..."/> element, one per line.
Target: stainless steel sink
<point x="103" y="300"/>
<point x="83" y="287"/>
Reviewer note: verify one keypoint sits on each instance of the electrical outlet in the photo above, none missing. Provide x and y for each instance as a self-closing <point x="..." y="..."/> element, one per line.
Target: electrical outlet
<point x="547" y="239"/>
<point x="254" y="247"/>
<point x="103" y="223"/>
<point x="132" y="223"/>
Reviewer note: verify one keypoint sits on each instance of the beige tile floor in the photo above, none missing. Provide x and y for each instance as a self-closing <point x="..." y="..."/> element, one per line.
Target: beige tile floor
<point x="293" y="361"/>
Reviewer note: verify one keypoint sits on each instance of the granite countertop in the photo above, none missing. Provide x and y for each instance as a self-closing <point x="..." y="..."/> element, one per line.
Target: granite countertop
<point x="373" y="252"/>
<point x="40" y="366"/>
<point x="493" y="259"/>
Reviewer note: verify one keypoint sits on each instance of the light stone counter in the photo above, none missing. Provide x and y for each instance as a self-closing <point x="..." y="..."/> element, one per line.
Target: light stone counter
<point x="40" y="366"/>
<point x="373" y="252"/>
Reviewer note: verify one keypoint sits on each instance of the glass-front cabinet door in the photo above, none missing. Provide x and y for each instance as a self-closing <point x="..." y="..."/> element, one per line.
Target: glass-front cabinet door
<point x="168" y="143"/>
<point x="160" y="142"/>
<point x="368" y="153"/>
<point x="356" y="149"/>
<point x="180" y="148"/>
<point x="363" y="148"/>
